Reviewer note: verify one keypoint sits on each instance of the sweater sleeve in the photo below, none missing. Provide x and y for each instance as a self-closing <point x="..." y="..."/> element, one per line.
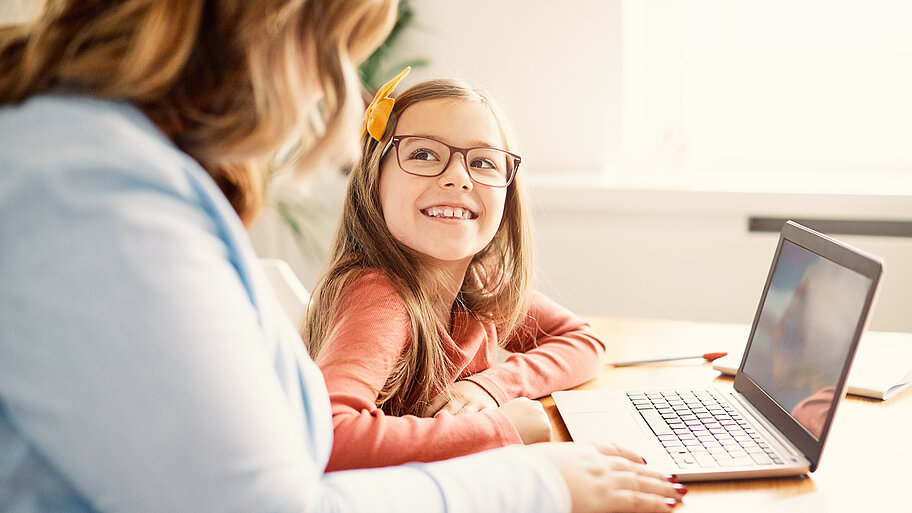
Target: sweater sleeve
<point x="553" y="350"/>
<point x="370" y="333"/>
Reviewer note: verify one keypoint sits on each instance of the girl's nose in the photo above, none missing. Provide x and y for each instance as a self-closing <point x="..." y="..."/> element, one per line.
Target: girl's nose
<point x="456" y="173"/>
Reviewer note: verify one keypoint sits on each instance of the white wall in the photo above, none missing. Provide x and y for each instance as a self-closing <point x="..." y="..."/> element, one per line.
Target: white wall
<point x="682" y="254"/>
<point x="18" y="11"/>
<point x="688" y="255"/>
<point x="553" y="65"/>
<point x="681" y="251"/>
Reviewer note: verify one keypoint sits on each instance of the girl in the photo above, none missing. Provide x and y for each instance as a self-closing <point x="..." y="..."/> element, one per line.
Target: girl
<point x="428" y="277"/>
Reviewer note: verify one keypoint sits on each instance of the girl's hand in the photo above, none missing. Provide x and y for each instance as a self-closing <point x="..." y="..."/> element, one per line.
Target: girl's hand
<point x="465" y="397"/>
<point x="530" y="420"/>
<point x="610" y="479"/>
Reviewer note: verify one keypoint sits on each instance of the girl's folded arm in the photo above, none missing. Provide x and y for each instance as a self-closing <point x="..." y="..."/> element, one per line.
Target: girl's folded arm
<point x="369" y="438"/>
<point x="553" y="350"/>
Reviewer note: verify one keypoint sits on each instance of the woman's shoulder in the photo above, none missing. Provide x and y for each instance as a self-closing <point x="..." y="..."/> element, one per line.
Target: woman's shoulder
<point x="52" y="135"/>
<point x="62" y="117"/>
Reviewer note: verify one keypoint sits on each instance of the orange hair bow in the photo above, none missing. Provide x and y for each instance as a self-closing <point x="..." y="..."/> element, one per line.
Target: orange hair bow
<point x="379" y="110"/>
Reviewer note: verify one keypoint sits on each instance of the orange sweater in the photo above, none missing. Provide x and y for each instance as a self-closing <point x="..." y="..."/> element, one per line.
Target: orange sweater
<point x="555" y="350"/>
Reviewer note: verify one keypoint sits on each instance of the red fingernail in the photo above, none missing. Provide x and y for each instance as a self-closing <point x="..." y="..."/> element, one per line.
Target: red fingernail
<point x="644" y="460"/>
<point x="671" y="503"/>
<point x="673" y="480"/>
<point x="681" y="489"/>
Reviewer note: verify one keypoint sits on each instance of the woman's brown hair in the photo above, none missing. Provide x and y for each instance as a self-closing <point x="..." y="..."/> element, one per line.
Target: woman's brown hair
<point x="231" y="82"/>
<point x="495" y="287"/>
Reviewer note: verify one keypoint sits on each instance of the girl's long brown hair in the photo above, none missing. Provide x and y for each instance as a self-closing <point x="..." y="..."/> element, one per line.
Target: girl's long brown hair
<point x="495" y="288"/>
<point x="231" y="82"/>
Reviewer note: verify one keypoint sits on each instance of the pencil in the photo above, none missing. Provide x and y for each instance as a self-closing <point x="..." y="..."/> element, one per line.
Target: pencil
<point x="706" y="356"/>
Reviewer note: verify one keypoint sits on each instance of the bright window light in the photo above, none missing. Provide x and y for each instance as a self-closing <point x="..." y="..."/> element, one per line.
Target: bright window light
<point x="791" y="96"/>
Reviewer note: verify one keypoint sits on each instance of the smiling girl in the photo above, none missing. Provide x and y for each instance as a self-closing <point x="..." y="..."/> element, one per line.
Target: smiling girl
<point x="428" y="278"/>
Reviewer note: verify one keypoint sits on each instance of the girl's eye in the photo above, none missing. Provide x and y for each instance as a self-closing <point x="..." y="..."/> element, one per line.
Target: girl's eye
<point x="423" y="154"/>
<point x="483" y="164"/>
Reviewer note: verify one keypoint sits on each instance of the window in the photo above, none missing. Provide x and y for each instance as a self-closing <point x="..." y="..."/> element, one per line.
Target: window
<point x="806" y="96"/>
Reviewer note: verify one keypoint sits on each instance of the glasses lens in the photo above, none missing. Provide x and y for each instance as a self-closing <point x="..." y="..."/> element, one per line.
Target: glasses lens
<point x="490" y="166"/>
<point x="424" y="157"/>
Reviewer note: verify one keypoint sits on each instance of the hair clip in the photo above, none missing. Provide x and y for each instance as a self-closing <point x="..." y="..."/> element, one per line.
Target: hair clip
<point x="378" y="112"/>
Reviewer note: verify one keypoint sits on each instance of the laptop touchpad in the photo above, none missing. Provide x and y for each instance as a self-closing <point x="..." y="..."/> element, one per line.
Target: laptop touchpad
<point x="617" y="426"/>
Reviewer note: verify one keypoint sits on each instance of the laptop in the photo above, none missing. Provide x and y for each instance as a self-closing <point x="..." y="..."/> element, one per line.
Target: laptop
<point x="813" y="309"/>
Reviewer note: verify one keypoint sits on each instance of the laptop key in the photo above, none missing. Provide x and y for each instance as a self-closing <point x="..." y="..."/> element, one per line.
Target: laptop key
<point x="761" y="458"/>
<point x="704" y="459"/>
<point x="656" y="422"/>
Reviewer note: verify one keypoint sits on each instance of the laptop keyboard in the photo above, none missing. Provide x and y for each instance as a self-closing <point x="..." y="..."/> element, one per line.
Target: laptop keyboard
<point x="699" y="429"/>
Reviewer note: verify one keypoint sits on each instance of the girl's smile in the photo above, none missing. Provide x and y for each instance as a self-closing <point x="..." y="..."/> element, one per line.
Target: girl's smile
<point x="450" y="212"/>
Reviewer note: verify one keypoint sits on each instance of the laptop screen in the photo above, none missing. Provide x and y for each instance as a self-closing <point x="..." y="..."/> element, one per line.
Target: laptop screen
<point x="805" y="331"/>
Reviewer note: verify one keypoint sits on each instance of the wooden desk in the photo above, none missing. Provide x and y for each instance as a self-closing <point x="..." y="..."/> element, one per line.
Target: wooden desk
<point x="865" y="465"/>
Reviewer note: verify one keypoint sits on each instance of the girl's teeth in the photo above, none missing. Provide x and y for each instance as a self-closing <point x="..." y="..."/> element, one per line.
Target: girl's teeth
<point x="449" y="212"/>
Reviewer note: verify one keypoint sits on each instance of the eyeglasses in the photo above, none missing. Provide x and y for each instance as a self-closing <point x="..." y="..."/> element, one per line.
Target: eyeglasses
<point x="423" y="156"/>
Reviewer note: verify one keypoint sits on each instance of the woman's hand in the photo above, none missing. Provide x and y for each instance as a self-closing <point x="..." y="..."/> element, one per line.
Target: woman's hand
<point x="607" y="478"/>
<point x="530" y="420"/>
<point x="464" y="397"/>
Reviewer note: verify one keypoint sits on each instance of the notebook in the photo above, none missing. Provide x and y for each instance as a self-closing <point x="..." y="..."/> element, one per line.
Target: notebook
<point x="882" y="367"/>
<point x="793" y="373"/>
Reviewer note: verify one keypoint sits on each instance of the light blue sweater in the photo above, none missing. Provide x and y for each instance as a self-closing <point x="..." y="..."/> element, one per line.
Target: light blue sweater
<point x="145" y="365"/>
